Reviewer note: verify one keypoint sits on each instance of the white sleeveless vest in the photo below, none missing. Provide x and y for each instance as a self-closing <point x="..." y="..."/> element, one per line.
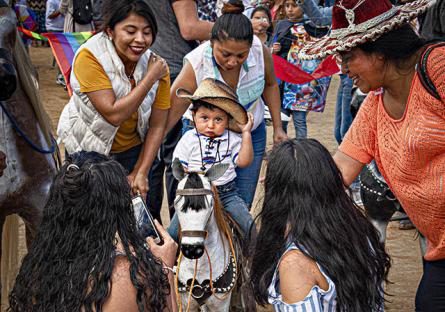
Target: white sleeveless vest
<point x="81" y="126"/>
<point x="251" y="80"/>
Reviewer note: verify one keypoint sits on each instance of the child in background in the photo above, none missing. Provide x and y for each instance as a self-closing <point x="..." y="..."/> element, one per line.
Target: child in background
<point x="290" y="36"/>
<point x="262" y="24"/>
<point x="214" y="141"/>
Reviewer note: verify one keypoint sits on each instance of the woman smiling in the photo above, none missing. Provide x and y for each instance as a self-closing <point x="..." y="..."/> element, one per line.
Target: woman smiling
<point x="121" y="92"/>
<point x="238" y="58"/>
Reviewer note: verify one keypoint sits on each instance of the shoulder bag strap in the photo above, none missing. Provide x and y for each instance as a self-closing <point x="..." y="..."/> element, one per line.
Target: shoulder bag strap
<point x="421" y="69"/>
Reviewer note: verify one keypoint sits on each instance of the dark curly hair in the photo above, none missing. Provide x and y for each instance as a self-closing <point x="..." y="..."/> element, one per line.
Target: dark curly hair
<point x="69" y="266"/>
<point x="304" y="192"/>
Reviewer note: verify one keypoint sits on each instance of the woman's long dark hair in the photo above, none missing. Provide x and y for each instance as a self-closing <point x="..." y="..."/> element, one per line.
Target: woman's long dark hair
<point x="69" y="266"/>
<point x="305" y="202"/>
<point x="233" y="24"/>
<point x="115" y="11"/>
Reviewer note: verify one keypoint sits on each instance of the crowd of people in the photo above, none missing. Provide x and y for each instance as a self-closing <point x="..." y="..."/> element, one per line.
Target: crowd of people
<point x="194" y="80"/>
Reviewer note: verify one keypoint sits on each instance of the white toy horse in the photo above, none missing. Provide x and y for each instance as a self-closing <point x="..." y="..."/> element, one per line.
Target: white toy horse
<point x="207" y="269"/>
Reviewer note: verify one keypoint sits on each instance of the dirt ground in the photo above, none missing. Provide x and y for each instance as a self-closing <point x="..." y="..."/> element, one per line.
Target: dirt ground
<point x="401" y="245"/>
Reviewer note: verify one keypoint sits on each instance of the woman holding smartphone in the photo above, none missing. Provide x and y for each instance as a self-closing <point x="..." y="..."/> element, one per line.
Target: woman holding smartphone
<point x="88" y="254"/>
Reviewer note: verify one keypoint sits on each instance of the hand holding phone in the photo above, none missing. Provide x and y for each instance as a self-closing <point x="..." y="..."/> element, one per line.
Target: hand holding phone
<point x="167" y="251"/>
<point x="144" y="220"/>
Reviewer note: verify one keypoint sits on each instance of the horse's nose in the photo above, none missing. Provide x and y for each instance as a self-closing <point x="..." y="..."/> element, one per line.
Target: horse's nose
<point x="192" y="251"/>
<point x="8" y="76"/>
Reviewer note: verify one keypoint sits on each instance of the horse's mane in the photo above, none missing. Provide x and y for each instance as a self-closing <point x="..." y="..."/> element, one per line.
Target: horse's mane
<point x="29" y="81"/>
<point x="197" y="202"/>
<point x="221" y="219"/>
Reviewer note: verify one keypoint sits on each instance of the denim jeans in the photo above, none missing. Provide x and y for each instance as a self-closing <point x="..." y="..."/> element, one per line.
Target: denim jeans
<point x="232" y="203"/>
<point x="128" y="158"/>
<point x="156" y="176"/>
<point x="343" y="117"/>
<point x="430" y="295"/>
<point x="299" y="118"/>
<point x="247" y="178"/>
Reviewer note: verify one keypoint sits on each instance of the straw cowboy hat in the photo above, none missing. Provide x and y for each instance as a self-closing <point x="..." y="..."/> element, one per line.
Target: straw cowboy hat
<point x="219" y="94"/>
<point x="358" y="21"/>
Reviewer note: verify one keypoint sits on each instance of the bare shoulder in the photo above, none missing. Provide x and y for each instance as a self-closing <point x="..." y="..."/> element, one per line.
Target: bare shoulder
<point x="123" y="293"/>
<point x="298" y="275"/>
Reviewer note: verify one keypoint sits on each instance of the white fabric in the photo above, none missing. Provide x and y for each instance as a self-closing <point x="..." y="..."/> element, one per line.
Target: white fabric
<point x="55" y="24"/>
<point x="251" y="80"/>
<point x="223" y="149"/>
<point x="81" y="126"/>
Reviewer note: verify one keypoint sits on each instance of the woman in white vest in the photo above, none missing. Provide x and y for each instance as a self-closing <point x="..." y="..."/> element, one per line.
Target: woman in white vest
<point x="121" y="92"/>
<point x="238" y="58"/>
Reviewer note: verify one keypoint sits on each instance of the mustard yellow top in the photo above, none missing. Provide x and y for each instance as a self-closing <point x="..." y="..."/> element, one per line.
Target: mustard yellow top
<point x="92" y="77"/>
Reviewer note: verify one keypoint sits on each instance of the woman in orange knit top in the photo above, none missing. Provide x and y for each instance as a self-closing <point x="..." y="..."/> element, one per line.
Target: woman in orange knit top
<point x="401" y="124"/>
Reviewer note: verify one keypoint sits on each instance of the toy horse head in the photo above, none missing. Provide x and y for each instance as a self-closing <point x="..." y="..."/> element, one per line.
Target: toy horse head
<point x="194" y="204"/>
<point x="8" y="74"/>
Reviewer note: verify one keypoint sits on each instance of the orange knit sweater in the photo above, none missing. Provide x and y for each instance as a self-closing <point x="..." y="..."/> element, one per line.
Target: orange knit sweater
<point x="410" y="152"/>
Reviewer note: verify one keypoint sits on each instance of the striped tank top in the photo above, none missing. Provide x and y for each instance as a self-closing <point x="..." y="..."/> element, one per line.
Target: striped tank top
<point x="317" y="300"/>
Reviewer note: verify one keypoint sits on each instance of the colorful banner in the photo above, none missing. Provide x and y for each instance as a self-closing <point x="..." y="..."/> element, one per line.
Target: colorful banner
<point x="64" y="46"/>
<point x="31" y="34"/>
<point x="25" y="17"/>
<point x="293" y="74"/>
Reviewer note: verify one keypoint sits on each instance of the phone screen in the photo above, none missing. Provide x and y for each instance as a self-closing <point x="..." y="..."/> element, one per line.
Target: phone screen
<point x="144" y="220"/>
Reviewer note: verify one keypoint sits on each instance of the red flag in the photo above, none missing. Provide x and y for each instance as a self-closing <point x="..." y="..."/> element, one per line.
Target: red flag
<point x="293" y="74"/>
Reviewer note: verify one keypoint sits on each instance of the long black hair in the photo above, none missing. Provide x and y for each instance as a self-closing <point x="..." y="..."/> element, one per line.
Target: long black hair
<point x="305" y="202"/>
<point x="115" y="11"/>
<point x="69" y="266"/>
<point x="233" y="24"/>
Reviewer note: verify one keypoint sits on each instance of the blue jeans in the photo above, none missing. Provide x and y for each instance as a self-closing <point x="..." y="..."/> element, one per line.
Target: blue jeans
<point x="299" y="118"/>
<point x="128" y="158"/>
<point x="343" y="117"/>
<point x="430" y="296"/>
<point x="247" y="178"/>
<point x="232" y="203"/>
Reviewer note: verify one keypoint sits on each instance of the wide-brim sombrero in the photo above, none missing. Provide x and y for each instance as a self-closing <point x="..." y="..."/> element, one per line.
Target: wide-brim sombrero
<point x="219" y="94"/>
<point x="367" y="22"/>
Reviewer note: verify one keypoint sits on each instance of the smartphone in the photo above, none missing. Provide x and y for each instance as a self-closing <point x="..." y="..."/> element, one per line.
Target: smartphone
<point x="144" y="220"/>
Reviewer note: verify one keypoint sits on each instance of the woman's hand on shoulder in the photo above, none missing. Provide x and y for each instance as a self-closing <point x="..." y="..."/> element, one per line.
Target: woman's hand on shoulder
<point x="157" y="67"/>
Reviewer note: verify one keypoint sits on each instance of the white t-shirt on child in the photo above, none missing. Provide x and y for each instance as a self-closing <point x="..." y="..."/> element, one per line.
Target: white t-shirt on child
<point x="223" y="149"/>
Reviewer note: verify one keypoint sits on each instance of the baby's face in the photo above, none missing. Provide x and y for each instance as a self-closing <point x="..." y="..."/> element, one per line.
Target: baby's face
<point x="211" y="122"/>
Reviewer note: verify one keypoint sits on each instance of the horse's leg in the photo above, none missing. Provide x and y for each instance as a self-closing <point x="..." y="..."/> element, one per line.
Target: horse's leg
<point x="194" y="306"/>
<point x="214" y="304"/>
<point x="31" y="216"/>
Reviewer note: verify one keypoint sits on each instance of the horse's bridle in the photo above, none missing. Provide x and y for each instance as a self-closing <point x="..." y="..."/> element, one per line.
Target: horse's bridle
<point x="194" y="192"/>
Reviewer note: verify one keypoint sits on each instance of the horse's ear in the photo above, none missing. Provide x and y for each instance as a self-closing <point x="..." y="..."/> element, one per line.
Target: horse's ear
<point x="178" y="170"/>
<point x="216" y="172"/>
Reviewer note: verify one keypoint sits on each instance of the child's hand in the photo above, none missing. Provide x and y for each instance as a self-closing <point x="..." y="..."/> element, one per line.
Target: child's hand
<point x="248" y="126"/>
<point x="276" y="47"/>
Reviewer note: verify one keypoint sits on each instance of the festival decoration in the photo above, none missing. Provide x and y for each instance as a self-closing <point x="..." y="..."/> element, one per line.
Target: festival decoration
<point x="293" y="74"/>
<point x="25" y="16"/>
<point x="64" y="47"/>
